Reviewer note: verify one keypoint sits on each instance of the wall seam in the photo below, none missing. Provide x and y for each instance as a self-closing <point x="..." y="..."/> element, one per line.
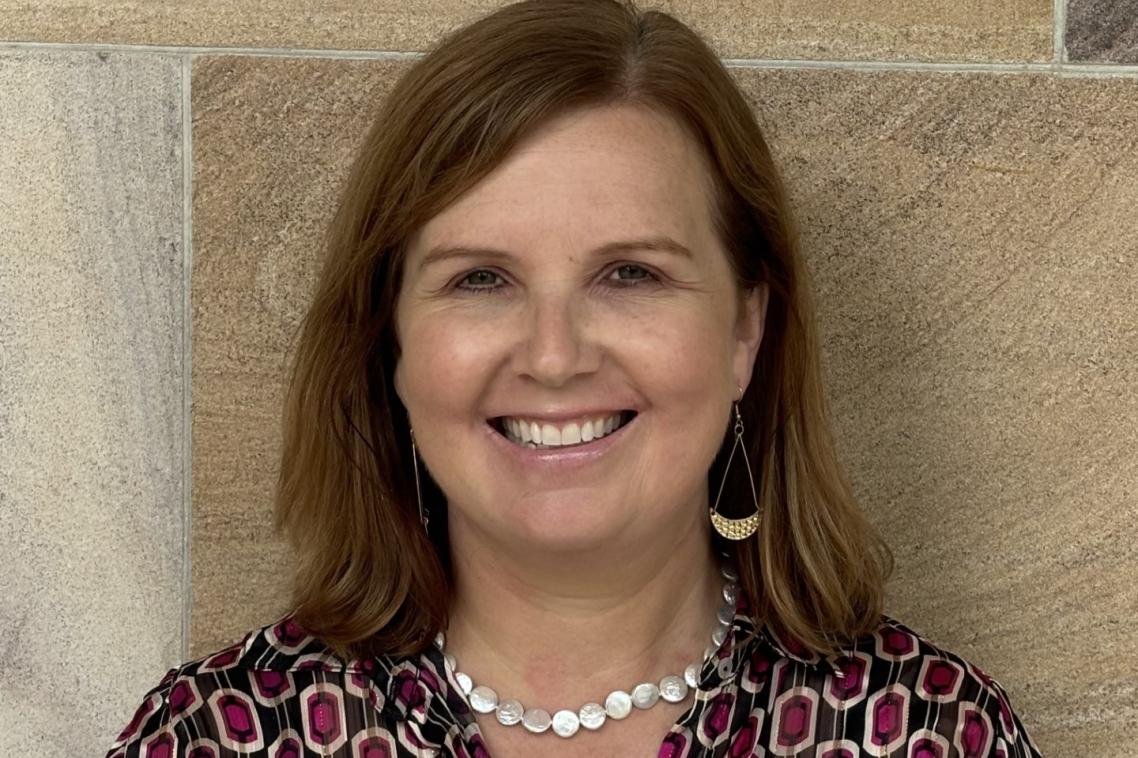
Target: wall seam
<point x="1060" y="32"/>
<point x="1057" y="67"/>
<point x="289" y="52"/>
<point x="995" y="68"/>
<point x="187" y="351"/>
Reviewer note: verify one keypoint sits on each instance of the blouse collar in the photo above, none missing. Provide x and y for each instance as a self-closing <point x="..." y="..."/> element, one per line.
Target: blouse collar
<point x="420" y="686"/>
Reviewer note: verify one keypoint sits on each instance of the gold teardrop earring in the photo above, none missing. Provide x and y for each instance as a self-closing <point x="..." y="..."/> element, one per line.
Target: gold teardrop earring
<point x="740" y="528"/>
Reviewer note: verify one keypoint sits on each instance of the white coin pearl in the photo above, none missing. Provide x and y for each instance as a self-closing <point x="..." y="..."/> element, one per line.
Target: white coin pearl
<point x="691" y="675"/>
<point x="510" y="712"/>
<point x="729" y="573"/>
<point x="536" y="720"/>
<point x="673" y="688"/>
<point x="483" y="699"/>
<point x="730" y="593"/>
<point x="565" y="723"/>
<point x="645" y="695"/>
<point x="725" y="615"/>
<point x="618" y="704"/>
<point x="591" y="715"/>
<point x="464" y="682"/>
<point x="451" y="662"/>
<point x="719" y="635"/>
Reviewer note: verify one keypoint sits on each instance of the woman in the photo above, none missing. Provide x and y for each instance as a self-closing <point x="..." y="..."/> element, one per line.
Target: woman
<point x="556" y="465"/>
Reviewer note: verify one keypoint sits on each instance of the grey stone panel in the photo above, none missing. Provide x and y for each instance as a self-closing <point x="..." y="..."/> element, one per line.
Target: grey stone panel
<point x="91" y="393"/>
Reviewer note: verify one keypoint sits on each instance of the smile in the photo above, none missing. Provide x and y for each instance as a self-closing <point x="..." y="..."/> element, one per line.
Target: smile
<point x="537" y="435"/>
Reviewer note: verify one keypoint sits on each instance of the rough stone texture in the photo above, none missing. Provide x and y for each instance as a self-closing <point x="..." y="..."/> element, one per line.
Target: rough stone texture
<point x="91" y="400"/>
<point x="269" y="158"/>
<point x="971" y="238"/>
<point x="1015" y="30"/>
<point x="1102" y="31"/>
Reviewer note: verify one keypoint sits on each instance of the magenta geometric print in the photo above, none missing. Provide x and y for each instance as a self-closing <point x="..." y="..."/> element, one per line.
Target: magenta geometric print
<point x="281" y="693"/>
<point x="203" y="747"/>
<point x="162" y="745"/>
<point x="925" y="743"/>
<point x="235" y="715"/>
<point x="843" y="692"/>
<point x="288" y="744"/>
<point x="323" y="717"/>
<point x="940" y="680"/>
<point x="794" y="720"/>
<point x="887" y="717"/>
<point x="973" y="737"/>
<point x="271" y="687"/>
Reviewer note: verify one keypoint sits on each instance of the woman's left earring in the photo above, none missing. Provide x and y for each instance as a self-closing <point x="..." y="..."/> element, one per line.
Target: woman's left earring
<point x="736" y="528"/>
<point x="423" y="513"/>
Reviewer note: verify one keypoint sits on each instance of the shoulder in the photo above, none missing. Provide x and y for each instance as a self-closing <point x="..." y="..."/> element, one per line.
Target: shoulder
<point x="275" y="689"/>
<point x="907" y="678"/>
<point x="892" y="688"/>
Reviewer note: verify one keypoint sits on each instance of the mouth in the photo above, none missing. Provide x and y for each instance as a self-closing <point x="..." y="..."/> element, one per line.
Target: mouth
<point x="567" y="437"/>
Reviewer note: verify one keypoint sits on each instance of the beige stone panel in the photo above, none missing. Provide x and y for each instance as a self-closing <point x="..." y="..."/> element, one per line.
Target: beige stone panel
<point x="970" y="239"/>
<point x="272" y="141"/>
<point x="91" y="394"/>
<point x="929" y="30"/>
<point x="972" y="242"/>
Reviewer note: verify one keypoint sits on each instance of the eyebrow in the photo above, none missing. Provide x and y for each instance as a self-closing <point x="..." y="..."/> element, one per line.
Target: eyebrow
<point x="661" y="243"/>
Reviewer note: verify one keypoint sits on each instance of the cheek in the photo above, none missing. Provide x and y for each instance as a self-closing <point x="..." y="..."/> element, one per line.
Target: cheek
<point x="444" y="361"/>
<point x="684" y="354"/>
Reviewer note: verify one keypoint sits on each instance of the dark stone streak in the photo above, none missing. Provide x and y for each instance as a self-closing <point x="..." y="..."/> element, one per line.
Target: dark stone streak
<point x="1102" y="31"/>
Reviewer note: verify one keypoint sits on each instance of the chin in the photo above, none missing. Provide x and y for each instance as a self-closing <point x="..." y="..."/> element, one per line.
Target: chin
<point x="558" y="522"/>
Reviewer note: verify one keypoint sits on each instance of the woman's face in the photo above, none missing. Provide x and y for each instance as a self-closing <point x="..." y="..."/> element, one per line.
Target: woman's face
<point x="555" y="330"/>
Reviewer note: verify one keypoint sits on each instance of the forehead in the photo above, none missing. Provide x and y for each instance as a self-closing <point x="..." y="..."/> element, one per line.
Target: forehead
<point x="584" y="179"/>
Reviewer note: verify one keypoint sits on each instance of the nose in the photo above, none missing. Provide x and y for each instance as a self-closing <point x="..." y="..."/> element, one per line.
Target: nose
<point x="558" y="343"/>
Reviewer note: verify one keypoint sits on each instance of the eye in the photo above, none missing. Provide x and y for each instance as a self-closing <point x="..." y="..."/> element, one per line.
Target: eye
<point x="631" y="267"/>
<point x="483" y="281"/>
<point x="482" y="277"/>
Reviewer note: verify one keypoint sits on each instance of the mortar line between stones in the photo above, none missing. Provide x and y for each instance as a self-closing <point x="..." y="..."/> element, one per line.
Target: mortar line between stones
<point x="1063" y="68"/>
<point x="187" y="352"/>
<point x="1060" y="32"/>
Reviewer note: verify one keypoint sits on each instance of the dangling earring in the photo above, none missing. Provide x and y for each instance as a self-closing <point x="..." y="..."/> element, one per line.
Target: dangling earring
<point x="423" y="513"/>
<point x="741" y="528"/>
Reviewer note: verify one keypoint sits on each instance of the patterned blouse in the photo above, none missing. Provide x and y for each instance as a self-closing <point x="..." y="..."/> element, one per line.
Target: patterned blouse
<point x="280" y="693"/>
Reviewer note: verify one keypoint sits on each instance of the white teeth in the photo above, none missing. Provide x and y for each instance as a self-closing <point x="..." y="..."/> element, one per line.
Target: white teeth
<point x="571" y="434"/>
<point x="550" y="435"/>
<point x="531" y="434"/>
<point x="587" y="431"/>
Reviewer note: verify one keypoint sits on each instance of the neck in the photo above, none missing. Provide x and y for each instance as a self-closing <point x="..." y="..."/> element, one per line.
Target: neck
<point x="557" y="631"/>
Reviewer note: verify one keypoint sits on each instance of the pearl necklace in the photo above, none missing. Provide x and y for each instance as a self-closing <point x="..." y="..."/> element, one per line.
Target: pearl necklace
<point x="618" y="704"/>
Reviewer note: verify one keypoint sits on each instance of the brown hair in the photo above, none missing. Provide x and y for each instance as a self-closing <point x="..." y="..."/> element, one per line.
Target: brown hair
<point x="369" y="580"/>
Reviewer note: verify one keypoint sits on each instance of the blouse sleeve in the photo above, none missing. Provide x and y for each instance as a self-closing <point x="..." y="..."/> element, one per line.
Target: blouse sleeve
<point x="1012" y="739"/>
<point x="150" y="725"/>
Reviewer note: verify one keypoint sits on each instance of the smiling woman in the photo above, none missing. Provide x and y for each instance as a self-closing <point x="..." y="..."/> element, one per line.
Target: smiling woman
<point x="556" y="414"/>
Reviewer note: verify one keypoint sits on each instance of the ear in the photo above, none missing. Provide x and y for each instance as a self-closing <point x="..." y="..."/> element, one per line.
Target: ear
<point x="749" y="333"/>
<point x="397" y="380"/>
<point x="397" y="374"/>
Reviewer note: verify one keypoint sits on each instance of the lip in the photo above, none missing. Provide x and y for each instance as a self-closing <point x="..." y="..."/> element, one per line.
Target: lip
<point x="556" y="459"/>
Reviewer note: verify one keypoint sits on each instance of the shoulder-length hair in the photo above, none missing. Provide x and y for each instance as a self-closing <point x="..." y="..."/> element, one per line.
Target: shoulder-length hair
<point x="369" y="579"/>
